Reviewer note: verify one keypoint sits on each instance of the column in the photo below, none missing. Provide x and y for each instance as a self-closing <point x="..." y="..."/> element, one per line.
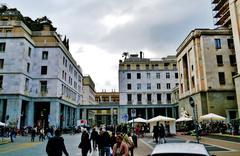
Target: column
<point x="111" y="111"/>
<point x="166" y="112"/>
<point x="14" y="111"/>
<point x="84" y="114"/>
<point x="1" y="110"/>
<point x="146" y="113"/>
<point x="153" y="115"/>
<point x="30" y="114"/>
<point x="55" y="114"/>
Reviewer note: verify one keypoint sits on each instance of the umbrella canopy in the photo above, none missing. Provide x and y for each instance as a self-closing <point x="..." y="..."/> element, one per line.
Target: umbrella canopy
<point x="161" y="118"/>
<point x="212" y="117"/>
<point x="2" y="124"/>
<point x="141" y="120"/>
<point x="183" y="118"/>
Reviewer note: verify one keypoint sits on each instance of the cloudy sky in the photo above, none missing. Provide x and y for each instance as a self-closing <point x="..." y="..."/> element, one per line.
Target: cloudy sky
<point x="101" y="30"/>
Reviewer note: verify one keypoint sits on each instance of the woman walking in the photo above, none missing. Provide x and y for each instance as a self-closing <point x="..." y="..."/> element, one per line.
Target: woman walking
<point x="85" y="143"/>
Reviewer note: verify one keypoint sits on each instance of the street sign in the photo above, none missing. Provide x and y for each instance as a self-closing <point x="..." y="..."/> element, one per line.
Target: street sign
<point x="125" y="117"/>
<point x="133" y="113"/>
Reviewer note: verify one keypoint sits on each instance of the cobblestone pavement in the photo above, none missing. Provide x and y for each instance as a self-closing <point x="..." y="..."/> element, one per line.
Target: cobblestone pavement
<point x="22" y="146"/>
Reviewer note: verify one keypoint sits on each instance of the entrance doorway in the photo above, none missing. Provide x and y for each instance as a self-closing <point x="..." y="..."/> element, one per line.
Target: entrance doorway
<point x="41" y="112"/>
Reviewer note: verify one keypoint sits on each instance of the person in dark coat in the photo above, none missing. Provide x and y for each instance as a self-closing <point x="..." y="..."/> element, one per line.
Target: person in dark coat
<point x="156" y="133"/>
<point x="162" y="134"/>
<point x="33" y="134"/>
<point x="93" y="137"/>
<point x="56" y="146"/>
<point x="85" y="143"/>
<point x="113" y="140"/>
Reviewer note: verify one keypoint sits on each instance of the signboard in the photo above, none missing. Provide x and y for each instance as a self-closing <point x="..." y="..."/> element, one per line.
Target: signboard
<point x="125" y="117"/>
<point x="133" y="113"/>
<point x="81" y="122"/>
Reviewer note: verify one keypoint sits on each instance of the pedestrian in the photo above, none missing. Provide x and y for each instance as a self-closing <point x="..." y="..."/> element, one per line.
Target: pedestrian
<point x="85" y="143"/>
<point x="130" y="144"/>
<point x="120" y="148"/>
<point x="100" y="142"/>
<point x="12" y="133"/>
<point x="112" y="140"/>
<point x="56" y="146"/>
<point x="93" y="137"/>
<point x="33" y="134"/>
<point x="162" y="139"/>
<point x="156" y="132"/>
<point x="106" y="143"/>
<point x="41" y="135"/>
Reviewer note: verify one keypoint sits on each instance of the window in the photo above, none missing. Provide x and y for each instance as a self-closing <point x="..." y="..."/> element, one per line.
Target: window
<point x="128" y="75"/>
<point x="168" y="86"/>
<point x="128" y="67"/>
<point x="26" y="84"/>
<point x="138" y="67"/>
<point x="148" y="75"/>
<point x="2" y="47"/>
<point x="230" y="43"/>
<point x="167" y="75"/>
<point x="166" y="65"/>
<point x="129" y="98"/>
<point x="28" y="67"/>
<point x="219" y="60"/>
<point x="63" y="60"/>
<point x="217" y="43"/>
<point x="148" y="86"/>
<point x="1" y="63"/>
<point x="221" y="77"/>
<point x="174" y="66"/>
<point x="129" y="86"/>
<point x="232" y="59"/>
<point x="139" y="98"/>
<point x="63" y="75"/>
<point x="230" y="98"/>
<point x="168" y="97"/>
<point x="158" y="75"/>
<point x="158" y="86"/>
<point x="44" y="70"/>
<point x="159" y="98"/>
<point x="29" y="51"/>
<point x="45" y="55"/>
<point x="75" y="73"/>
<point x="149" y="98"/>
<point x="43" y="86"/>
<point x="147" y="66"/>
<point x="176" y="75"/>
<point x="138" y="75"/>
<point x="1" y="81"/>
<point x="139" y="86"/>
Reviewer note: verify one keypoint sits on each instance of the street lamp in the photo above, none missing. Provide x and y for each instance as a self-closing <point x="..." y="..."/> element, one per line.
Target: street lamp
<point x="192" y="104"/>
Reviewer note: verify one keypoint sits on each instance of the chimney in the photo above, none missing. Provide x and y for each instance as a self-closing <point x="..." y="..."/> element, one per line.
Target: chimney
<point x="141" y="54"/>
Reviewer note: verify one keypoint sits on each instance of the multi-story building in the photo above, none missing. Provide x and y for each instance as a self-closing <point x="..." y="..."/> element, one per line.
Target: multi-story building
<point x="107" y="116"/>
<point x="206" y="65"/>
<point x="147" y="82"/>
<point x="227" y="13"/>
<point x="40" y="82"/>
<point x="89" y="94"/>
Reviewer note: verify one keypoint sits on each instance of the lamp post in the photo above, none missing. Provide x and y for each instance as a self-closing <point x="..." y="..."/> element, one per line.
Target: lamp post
<point x="192" y="104"/>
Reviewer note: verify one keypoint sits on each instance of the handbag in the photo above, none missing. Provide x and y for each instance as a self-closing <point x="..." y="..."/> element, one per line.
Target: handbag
<point x="80" y="145"/>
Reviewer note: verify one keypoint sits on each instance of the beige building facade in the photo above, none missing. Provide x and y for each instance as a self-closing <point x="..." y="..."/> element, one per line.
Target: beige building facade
<point x="206" y="65"/>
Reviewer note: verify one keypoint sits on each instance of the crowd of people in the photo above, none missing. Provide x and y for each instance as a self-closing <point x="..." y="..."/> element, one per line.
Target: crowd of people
<point x="107" y="143"/>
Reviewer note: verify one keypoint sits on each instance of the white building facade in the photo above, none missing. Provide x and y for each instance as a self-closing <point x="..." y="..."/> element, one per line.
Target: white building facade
<point x="40" y="82"/>
<point x="144" y="81"/>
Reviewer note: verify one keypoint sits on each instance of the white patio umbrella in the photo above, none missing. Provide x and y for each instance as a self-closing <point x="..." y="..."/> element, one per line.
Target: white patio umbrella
<point x="139" y="120"/>
<point x="212" y="117"/>
<point x="2" y="124"/>
<point x="160" y="118"/>
<point x="183" y="118"/>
